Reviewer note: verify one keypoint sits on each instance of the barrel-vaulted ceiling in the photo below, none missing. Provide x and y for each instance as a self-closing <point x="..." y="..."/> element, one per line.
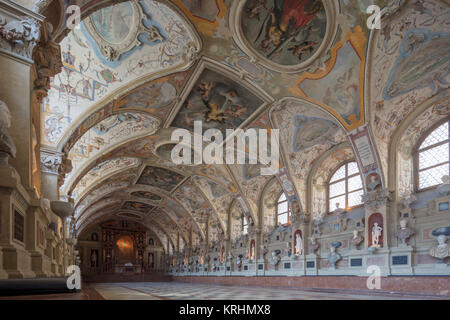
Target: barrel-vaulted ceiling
<point x="134" y="71"/>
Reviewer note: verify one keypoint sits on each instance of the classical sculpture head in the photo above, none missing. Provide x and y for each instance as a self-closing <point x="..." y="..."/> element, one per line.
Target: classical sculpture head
<point x="355" y="233"/>
<point x="442" y="240"/>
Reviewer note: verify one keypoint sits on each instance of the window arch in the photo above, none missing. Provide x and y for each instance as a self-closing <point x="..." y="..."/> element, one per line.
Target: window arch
<point x="283" y="210"/>
<point x="432" y="157"/>
<point x="345" y="187"/>
<point x="244" y="224"/>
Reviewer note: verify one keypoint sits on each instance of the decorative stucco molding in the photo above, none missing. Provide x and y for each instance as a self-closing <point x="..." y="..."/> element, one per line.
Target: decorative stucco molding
<point x="50" y="162"/>
<point x="376" y="199"/>
<point x="19" y="37"/>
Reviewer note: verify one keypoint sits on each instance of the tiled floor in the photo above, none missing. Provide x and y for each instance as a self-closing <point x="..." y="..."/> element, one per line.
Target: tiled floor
<point x="186" y="291"/>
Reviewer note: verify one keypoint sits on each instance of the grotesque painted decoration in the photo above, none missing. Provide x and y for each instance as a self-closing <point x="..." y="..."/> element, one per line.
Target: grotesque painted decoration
<point x="146" y="195"/>
<point x="160" y="178"/>
<point x="137" y="206"/>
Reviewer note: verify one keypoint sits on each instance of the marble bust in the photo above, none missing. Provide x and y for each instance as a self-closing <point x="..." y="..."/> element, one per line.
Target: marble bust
<point x="338" y="211"/>
<point x="442" y="250"/>
<point x="404" y="233"/>
<point x="333" y="256"/>
<point x="7" y="146"/>
<point x="313" y="245"/>
<point x="357" y="238"/>
<point x="444" y="188"/>
<point x="275" y="258"/>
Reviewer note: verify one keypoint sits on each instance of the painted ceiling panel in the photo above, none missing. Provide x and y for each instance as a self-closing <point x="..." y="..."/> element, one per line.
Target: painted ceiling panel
<point x="92" y="70"/>
<point x="107" y="134"/>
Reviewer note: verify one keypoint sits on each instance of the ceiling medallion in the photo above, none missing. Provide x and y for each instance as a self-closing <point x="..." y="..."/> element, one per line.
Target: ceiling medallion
<point x="115" y="29"/>
<point x="284" y="36"/>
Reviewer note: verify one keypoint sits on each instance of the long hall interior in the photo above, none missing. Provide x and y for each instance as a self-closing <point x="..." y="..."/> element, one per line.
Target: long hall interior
<point x="224" y="149"/>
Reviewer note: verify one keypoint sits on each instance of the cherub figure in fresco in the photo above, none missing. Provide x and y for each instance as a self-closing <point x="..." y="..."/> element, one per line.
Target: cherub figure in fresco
<point x="205" y="89"/>
<point x="213" y="112"/>
<point x="256" y="8"/>
<point x="238" y="111"/>
<point x="298" y="50"/>
<point x="286" y="20"/>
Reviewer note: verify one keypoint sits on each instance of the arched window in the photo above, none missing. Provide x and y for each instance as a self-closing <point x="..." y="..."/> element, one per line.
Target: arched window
<point x="345" y="187"/>
<point x="283" y="211"/>
<point x="432" y="158"/>
<point x="244" y="224"/>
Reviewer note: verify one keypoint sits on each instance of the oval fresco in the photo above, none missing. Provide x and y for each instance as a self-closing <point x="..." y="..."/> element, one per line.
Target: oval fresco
<point x="310" y="131"/>
<point x="286" y="32"/>
<point x="113" y="23"/>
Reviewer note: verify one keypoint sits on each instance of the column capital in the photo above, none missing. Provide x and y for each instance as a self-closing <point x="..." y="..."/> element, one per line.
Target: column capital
<point x="50" y="161"/>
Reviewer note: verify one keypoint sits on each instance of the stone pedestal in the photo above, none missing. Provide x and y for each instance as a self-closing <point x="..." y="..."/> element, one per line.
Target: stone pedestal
<point x="261" y="266"/>
<point x="380" y="257"/>
<point x="401" y="260"/>
<point x="311" y="265"/>
<point x="298" y="265"/>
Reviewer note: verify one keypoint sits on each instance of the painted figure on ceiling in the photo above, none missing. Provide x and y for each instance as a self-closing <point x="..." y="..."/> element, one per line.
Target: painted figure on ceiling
<point x="286" y="19"/>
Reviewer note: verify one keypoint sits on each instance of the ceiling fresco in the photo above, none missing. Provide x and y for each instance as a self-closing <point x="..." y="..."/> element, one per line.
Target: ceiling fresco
<point x="89" y="77"/>
<point x="217" y="102"/>
<point x="160" y="178"/>
<point x="311" y="69"/>
<point x="100" y="171"/>
<point x="137" y="206"/>
<point x="114" y="130"/>
<point x="146" y="195"/>
<point x="286" y="32"/>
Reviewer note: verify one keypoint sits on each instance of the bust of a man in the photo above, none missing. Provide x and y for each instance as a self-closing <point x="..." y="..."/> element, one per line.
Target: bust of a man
<point x="442" y="250"/>
<point x="444" y="188"/>
<point x="7" y="146"/>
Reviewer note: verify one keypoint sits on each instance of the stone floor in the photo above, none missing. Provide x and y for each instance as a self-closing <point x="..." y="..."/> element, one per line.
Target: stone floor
<point x="186" y="291"/>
